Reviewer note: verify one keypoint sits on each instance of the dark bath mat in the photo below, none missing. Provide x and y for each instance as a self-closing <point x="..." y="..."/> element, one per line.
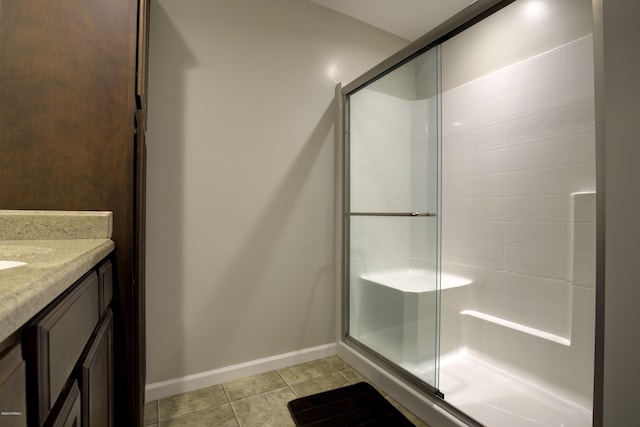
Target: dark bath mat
<point x="355" y="405"/>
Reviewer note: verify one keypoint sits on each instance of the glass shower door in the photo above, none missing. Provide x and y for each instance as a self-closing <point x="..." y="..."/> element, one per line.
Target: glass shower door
<point x="391" y="217"/>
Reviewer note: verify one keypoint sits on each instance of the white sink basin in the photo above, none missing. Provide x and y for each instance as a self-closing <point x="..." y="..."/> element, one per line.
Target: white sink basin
<point x="18" y="255"/>
<point x="10" y="264"/>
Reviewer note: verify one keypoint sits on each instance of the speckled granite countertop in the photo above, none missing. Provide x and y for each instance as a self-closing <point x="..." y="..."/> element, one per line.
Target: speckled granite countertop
<point x="58" y="247"/>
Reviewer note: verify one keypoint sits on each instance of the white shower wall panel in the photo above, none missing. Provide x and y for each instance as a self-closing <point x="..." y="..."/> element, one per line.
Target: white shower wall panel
<point x="545" y="209"/>
<point x="516" y="145"/>
<point x="522" y="139"/>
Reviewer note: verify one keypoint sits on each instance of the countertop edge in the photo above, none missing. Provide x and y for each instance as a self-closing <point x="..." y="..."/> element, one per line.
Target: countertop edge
<point x="41" y="289"/>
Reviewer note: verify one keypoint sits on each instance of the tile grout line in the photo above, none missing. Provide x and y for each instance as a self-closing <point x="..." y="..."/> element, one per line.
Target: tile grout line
<point x="260" y="394"/>
<point x="287" y="383"/>
<point x="194" y="411"/>
<point x="157" y="411"/>
<point x="235" y="414"/>
<point x="309" y="379"/>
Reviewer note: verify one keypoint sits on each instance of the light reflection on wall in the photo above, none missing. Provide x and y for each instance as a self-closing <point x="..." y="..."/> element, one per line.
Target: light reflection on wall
<point x="535" y="10"/>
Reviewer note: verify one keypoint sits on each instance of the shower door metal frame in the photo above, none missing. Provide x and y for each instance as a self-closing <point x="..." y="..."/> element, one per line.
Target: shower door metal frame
<point x="469" y="16"/>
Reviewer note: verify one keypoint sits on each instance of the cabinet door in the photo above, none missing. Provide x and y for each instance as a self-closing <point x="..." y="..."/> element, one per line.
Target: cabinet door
<point x="96" y="376"/>
<point x="54" y="342"/>
<point x="13" y="405"/>
<point x="68" y="412"/>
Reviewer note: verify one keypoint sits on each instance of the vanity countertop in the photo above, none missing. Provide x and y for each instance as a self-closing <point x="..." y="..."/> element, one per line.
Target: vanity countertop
<point x="57" y="247"/>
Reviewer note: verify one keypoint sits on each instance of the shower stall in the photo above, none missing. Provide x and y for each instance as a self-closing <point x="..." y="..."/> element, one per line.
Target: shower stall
<point x="469" y="214"/>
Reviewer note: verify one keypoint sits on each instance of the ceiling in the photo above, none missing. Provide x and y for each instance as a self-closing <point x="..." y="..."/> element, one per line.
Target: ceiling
<point x="408" y="19"/>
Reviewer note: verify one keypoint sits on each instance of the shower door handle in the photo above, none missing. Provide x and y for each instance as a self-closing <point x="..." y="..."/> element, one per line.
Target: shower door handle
<point x="391" y="214"/>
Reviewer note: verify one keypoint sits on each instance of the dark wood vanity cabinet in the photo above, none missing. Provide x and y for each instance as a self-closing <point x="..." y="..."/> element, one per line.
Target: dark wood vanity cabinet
<point x="73" y="106"/>
<point x="13" y="404"/>
<point x="96" y="377"/>
<point x="69" y="411"/>
<point x="68" y="349"/>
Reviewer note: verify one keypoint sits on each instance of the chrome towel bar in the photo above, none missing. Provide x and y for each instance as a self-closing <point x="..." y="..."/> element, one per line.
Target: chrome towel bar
<point x="391" y="214"/>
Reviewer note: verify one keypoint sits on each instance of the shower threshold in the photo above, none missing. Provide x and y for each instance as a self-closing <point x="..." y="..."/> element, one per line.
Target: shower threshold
<point x="497" y="398"/>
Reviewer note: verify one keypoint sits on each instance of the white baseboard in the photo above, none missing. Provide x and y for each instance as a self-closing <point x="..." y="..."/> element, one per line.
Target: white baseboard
<point x="200" y="380"/>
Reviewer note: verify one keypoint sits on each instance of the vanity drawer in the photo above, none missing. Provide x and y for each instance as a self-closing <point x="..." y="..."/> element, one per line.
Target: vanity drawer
<point x="55" y="340"/>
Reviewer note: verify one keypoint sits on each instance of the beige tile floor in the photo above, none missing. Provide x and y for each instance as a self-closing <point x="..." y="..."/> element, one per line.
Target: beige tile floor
<point x="258" y="400"/>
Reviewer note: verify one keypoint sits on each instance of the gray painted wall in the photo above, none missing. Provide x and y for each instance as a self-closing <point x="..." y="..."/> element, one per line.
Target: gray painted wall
<point x="240" y="250"/>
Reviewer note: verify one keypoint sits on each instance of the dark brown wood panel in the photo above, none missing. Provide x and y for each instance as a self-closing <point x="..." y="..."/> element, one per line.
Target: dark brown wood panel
<point x="96" y="377"/>
<point x="105" y="278"/>
<point x="139" y="263"/>
<point x="69" y="411"/>
<point x="143" y="59"/>
<point x="66" y="90"/>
